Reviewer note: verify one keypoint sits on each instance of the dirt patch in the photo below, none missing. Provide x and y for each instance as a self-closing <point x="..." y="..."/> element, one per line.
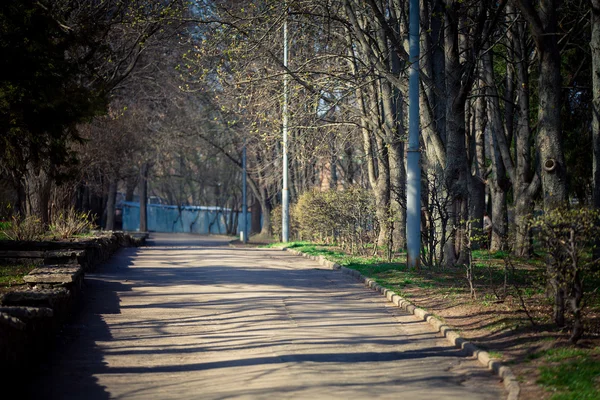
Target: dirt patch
<point x="500" y="324"/>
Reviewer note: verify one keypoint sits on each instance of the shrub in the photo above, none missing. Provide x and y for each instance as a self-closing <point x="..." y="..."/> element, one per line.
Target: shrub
<point x="276" y="223"/>
<point x="314" y="213"/>
<point x="345" y="217"/>
<point x="28" y="228"/>
<point x="568" y="236"/>
<point x="69" y="222"/>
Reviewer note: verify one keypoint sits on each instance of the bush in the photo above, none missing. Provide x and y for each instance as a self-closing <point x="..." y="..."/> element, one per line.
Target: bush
<point x="28" y="228"/>
<point x="71" y="222"/>
<point x="569" y="238"/>
<point x="276" y="222"/>
<point x="343" y="217"/>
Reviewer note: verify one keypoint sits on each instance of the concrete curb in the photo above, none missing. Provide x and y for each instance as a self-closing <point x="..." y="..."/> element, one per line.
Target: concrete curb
<point x="320" y="259"/>
<point x="504" y="372"/>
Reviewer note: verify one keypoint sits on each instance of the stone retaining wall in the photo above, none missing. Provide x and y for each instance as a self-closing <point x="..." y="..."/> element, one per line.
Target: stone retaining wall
<point x="30" y="318"/>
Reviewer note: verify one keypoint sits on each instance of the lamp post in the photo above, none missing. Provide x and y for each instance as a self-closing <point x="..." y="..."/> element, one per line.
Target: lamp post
<point x="244" y="231"/>
<point x="413" y="179"/>
<point x="285" y="199"/>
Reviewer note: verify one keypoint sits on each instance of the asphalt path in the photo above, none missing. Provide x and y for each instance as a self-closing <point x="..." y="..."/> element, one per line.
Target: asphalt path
<point x="188" y="317"/>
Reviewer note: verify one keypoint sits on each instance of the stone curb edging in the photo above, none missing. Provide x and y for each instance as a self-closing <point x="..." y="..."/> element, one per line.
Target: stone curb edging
<point x="320" y="259"/>
<point x="504" y="372"/>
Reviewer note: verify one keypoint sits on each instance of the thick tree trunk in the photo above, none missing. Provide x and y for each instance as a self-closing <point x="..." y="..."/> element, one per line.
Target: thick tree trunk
<point x="266" y="213"/>
<point x="394" y="117"/>
<point x="456" y="171"/>
<point x="499" y="219"/>
<point x="525" y="182"/>
<point x="398" y="194"/>
<point x="433" y="123"/>
<point x="144" y="197"/>
<point x="595" y="49"/>
<point x="110" y="204"/>
<point x="382" y="194"/>
<point x="477" y="204"/>
<point x="397" y="172"/>
<point x="37" y="185"/>
<point x="549" y="138"/>
<point x="543" y="25"/>
<point x="130" y="185"/>
<point x="255" y="217"/>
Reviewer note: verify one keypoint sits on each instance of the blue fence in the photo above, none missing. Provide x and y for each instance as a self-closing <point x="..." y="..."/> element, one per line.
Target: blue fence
<point x="190" y="219"/>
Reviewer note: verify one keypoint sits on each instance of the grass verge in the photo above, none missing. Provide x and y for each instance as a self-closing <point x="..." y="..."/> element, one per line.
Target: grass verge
<point x="571" y="373"/>
<point x="11" y="275"/>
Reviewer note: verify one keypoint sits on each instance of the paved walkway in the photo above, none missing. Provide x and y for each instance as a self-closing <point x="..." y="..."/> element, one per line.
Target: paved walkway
<point x="190" y="318"/>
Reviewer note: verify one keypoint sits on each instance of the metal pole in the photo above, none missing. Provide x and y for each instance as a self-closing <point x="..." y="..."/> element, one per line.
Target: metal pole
<point x="285" y="199"/>
<point x="413" y="181"/>
<point x="244" y="231"/>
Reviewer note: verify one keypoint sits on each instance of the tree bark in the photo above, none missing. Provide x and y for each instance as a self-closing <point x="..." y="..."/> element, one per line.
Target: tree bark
<point x="526" y="182"/>
<point x="255" y="217"/>
<point x="477" y="205"/>
<point x="595" y="50"/>
<point x="130" y="185"/>
<point x="499" y="184"/>
<point x="456" y="171"/>
<point x="265" y="207"/>
<point x="543" y="25"/>
<point x="37" y="185"/>
<point x="110" y="204"/>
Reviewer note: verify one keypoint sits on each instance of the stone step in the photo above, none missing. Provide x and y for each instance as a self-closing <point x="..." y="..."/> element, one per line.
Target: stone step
<point x="8" y="321"/>
<point x="58" y="299"/>
<point x="55" y="275"/>
<point x="27" y="313"/>
<point x="67" y="256"/>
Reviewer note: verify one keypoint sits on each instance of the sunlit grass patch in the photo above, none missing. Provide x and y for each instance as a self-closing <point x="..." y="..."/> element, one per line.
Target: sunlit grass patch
<point x="572" y="373"/>
<point x="11" y="275"/>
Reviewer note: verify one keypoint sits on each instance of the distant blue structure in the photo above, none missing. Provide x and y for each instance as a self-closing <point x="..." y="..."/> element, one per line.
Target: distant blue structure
<point x="188" y="219"/>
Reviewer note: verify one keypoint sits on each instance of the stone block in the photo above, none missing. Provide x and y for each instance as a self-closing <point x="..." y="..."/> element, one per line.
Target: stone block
<point x="55" y="275"/>
<point x="58" y="299"/>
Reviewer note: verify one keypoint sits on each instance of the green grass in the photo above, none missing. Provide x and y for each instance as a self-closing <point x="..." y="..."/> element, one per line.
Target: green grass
<point x="573" y="373"/>
<point x="495" y="354"/>
<point x="488" y="255"/>
<point x="11" y="275"/>
<point x="393" y="275"/>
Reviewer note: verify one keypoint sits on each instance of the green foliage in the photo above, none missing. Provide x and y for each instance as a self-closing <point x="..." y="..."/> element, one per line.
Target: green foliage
<point x="42" y="92"/>
<point x="575" y="375"/>
<point x="276" y="222"/>
<point x="345" y="217"/>
<point x="71" y="222"/>
<point x="28" y="228"/>
<point x="13" y="274"/>
<point x="568" y="236"/>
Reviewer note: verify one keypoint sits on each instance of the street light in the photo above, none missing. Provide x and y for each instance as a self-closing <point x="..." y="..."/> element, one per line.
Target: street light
<point x="413" y="175"/>
<point x="244" y="231"/>
<point x="285" y="199"/>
